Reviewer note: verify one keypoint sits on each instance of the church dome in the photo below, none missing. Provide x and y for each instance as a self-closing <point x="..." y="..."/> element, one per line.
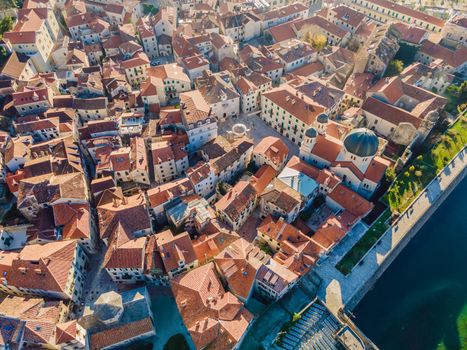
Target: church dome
<point x="322" y="118"/>
<point x="361" y="142"/>
<point x="311" y="133"/>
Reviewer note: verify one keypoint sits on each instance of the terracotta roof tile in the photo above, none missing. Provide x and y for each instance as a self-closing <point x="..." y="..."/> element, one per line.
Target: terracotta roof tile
<point x="350" y="201"/>
<point x="115" y="335"/>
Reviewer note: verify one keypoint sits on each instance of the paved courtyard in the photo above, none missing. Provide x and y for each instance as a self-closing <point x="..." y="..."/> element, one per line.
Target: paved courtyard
<point x="318" y="217"/>
<point x="258" y="130"/>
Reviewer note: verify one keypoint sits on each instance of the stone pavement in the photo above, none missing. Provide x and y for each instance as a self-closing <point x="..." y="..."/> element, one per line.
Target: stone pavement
<point x="338" y="290"/>
<point x="258" y="130"/>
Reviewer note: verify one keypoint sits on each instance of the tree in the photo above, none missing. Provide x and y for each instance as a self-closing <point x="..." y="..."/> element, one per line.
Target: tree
<point x="149" y="9"/>
<point x="390" y="174"/>
<point x="395" y="67"/>
<point x="3" y="53"/>
<point x="268" y="37"/>
<point x="6" y="24"/>
<point x="4" y="124"/>
<point x="406" y="53"/>
<point x="316" y="40"/>
<point x="456" y="95"/>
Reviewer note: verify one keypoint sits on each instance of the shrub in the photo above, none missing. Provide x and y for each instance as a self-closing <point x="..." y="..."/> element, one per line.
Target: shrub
<point x="395" y="67"/>
<point x="390" y="174"/>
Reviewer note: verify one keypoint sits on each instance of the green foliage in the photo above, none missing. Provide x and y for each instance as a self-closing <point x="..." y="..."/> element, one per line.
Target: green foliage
<point x="406" y="53"/>
<point x="390" y="174"/>
<point x="354" y="255"/>
<point x="268" y="37"/>
<point x="295" y="317"/>
<point x="457" y="97"/>
<point x="395" y="67"/>
<point x="149" y="9"/>
<point x="6" y="24"/>
<point x="425" y="167"/>
<point x="407" y="186"/>
<point x="265" y="248"/>
<point x="286" y="327"/>
<point x="223" y="188"/>
<point x="317" y="40"/>
<point x="4" y="123"/>
<point x="7" y="4"/>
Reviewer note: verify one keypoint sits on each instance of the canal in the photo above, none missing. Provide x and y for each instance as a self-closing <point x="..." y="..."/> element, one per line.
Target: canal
<point x="420" y="302"/>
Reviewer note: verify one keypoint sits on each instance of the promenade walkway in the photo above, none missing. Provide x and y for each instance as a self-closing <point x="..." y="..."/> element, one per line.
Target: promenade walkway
<point x="338" y="290"/>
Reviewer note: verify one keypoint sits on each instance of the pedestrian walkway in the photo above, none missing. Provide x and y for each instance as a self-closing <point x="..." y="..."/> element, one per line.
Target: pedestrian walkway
<point x="336" y="289"/>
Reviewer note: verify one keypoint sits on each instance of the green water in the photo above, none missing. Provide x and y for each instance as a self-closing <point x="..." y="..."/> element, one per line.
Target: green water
<point x="420" y="302"/>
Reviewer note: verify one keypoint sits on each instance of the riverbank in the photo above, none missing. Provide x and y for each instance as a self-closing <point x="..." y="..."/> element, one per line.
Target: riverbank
<point x="339" y="291"/>
<point x="415" y="177"/>
<point x="425" y="288"/>
<point x="413" y="219"/>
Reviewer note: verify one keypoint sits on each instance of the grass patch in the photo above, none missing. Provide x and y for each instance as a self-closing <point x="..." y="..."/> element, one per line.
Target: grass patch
<point x="353" y="256"/>
<point x="410" y="182"/>
<point x="424" y="168"/>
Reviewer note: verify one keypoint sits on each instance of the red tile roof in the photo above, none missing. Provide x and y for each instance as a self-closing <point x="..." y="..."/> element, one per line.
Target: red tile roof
<point x="40" y="266"/>
<point x="350" y="201"/>
<point x="174" y="249"/>
<point x="298" y="105"/>
<point x="272" y="148"/>
<point x="169" y="191"/>
<point x="237" y="200"/>
<point x="120" y="334"/>
<point x="214" y="317"/>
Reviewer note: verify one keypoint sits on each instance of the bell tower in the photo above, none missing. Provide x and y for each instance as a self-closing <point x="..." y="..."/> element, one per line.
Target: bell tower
<point x="308" y="143"/>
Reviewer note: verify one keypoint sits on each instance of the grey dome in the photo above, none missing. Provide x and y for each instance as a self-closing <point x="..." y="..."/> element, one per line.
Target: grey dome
<point x="322" y="118"/>
<point x="311" y="132"/>
<point x="108" y="305"/>
<point x="361" y="142"/>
